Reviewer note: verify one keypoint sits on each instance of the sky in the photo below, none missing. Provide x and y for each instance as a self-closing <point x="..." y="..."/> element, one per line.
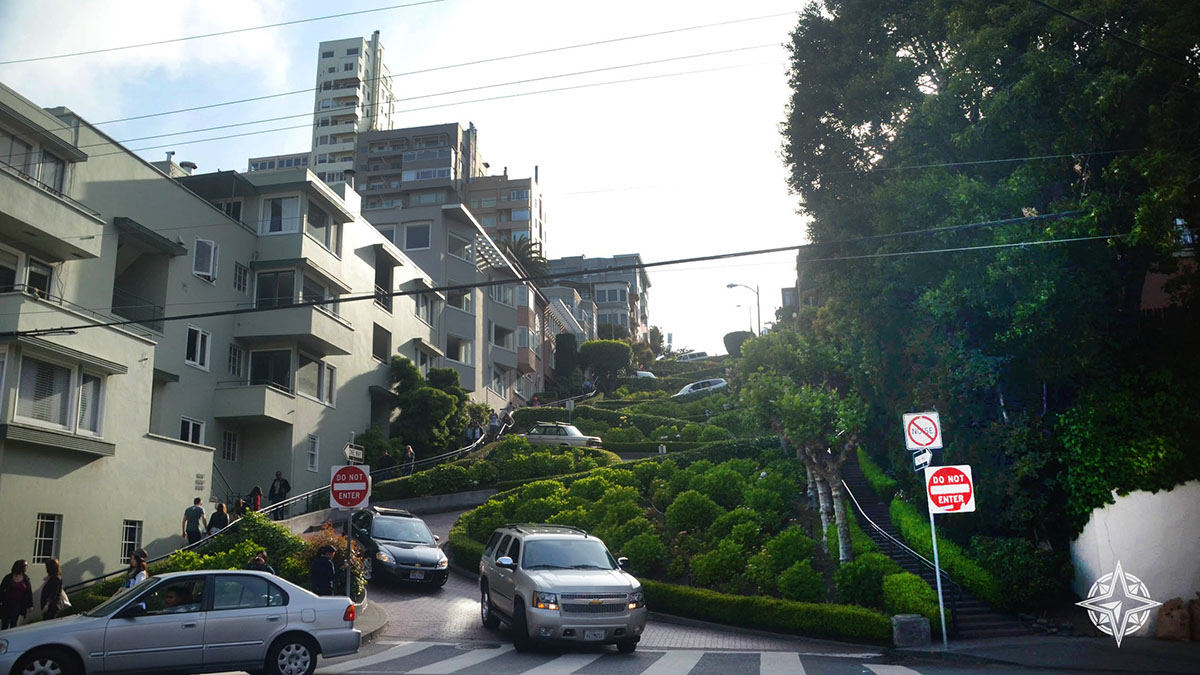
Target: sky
<point x="683" y="161"/>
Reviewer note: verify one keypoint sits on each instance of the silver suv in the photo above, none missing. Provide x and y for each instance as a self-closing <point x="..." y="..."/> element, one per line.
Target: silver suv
<point x="558" y="583"/>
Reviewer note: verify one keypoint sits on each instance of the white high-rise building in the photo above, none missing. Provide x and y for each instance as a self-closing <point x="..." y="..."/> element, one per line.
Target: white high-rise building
<point x="353" y="95"/>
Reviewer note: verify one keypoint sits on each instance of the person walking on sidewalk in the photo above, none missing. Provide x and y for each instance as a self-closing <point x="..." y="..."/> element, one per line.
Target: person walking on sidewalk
<point x="136" y="573"/>
<point x="52" y="590"/>
<point x="219" y="520"/>
<point x="321" y="571"/>
<point x="16" y="595"/>
<point x="194" y="522"/>
<point x="278" y="492"/>
<point x="410" y="460"/>
<point x="254" y="499"/>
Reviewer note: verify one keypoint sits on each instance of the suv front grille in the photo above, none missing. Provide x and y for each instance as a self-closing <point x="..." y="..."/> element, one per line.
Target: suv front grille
<point x="592" y="596"/>
<point x="593" y="609"/>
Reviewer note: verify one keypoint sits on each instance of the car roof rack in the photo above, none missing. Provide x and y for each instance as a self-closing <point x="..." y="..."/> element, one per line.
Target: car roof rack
<point x="530" y="528"/>
<point x="388" y="511"/>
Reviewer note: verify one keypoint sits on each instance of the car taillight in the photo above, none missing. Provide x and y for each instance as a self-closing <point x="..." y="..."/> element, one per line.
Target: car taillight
<point x="348" y="615"/>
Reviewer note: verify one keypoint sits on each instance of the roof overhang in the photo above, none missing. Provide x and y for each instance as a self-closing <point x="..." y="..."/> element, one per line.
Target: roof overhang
<point x="46" y="137"/>
<point x="422" y="285"/>
<point x="305" y="264"/>
<point x="389" y="252"/>
<point x="148" y="237"/>
<point x="422" y="343"/>
<point x="103" y="365"/>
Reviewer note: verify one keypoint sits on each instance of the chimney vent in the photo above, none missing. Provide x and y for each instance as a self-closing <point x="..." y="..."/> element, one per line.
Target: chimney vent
<point x="189" y="167"/>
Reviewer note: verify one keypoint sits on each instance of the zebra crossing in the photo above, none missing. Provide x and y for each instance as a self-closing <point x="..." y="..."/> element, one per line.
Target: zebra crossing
<point x="448" y="658"/>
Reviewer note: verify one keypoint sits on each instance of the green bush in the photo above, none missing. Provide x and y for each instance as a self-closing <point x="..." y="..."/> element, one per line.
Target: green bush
<point x="839" y="622"/>
<point x="789" y="547"/>
<point x="630" y="435"/>
<point x="650" y="446"/>
<point x="692" y="512"/>
<point x="883" y="486"/>
<point x="906" y="593"/>
<point x="1033" y="580"/>
<point x="712" y="432"/>
<point x="914" y="527"/>
<point x="860" y="581"/>
<point x="646" y="553"/>
<point x="801" y="582"/>
<point x="720" y="567"/>
<point x="761" y="573"/>
<point x="463" y="550"/>
<point x="723" y="526"/>
<point x="723" y="485"/>
<point x="860" y="542"/>
<point x="590" y="489"/>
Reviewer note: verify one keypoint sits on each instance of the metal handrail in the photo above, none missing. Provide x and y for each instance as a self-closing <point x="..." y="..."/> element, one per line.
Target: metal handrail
<point x="958" y="590"/>
<point x="39" y="294"/>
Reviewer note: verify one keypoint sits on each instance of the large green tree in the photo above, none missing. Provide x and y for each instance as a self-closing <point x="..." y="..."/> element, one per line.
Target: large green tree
<point x="605" y="358"/>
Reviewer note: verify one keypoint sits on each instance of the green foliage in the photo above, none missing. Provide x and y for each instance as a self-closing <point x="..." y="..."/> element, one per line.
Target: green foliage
<point x="735" y="340"/>
<point x="788" y="548"/>
<point x="914" y="529"/>
<point x="906" y="593"/>
<point x="711" y="432"/>
<point x="1032" y="579"/>
<point x="627" y="436"/>
<point x="692" y="512"/>
<point x="860" y="541"/>
<point x="646" y="553"/>
<point x="605" y="358"/>
<point x="376" y="446"/>
<point x="720" y="567"/>
<point x="723" y="526"/>
<point x="801" y="582"/>
<point x="722" y="485"/>
<point x="798" y="618"/>
<point x="882" y="485"/>
<point x="566" y="357"/>
<point x="860" y="581"/>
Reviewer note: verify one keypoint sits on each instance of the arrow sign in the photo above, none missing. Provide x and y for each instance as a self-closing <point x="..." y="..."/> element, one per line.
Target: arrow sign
<point x="921" y="460"/>
<point x="922" y="431"/>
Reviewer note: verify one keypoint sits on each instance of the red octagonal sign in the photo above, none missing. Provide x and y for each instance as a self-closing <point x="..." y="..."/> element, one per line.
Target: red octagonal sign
<point x="350" y="486"/>
<point x="949" y="489"/>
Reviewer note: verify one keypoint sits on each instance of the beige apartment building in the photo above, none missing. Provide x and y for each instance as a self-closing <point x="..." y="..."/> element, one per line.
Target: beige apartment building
<point x="107" y="432"/>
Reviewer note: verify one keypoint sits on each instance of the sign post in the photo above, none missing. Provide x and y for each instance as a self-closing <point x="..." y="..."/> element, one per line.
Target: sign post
<point x="349" y="489"/>
<point x="570" y="409"/>
<point x="949" y="490"/>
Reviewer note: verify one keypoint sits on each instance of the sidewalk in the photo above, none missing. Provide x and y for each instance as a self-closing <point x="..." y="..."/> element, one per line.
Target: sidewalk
<point x="1091" y="654"/>
<point x="370" y="619"/>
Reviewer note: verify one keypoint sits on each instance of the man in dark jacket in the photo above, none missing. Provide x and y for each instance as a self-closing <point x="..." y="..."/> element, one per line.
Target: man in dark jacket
<point x="321" y="572"/>
<point x="280" y="487"/>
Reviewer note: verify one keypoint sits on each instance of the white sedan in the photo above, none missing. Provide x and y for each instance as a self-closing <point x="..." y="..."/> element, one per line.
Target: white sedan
<point x="190" y="622"/>
<point x="557" y="433"/>
<point x="702" y="385"/>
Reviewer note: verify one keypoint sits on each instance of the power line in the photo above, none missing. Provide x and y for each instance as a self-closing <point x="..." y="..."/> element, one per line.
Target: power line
<point x="1000" y="160"/>
<point x="982" y="247"/>
<point x="551" y="50"/>
<point x="217" y="34"/>
<point x="1117" y="36"/>
<point x="585" y="273"/>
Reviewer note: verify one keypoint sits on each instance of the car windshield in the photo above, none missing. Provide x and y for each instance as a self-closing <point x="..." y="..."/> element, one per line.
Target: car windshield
<point x="408" y="530"/>
<point x="115" y="602"/>
<point x="567" y="554"/>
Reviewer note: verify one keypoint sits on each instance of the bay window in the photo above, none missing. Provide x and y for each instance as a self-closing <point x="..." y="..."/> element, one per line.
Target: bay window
<point x="56" y="394"/>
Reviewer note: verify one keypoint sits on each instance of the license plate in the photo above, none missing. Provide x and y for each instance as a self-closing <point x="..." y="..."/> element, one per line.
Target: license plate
<point x="416" y="575"/>
<point x="593" y="635"/>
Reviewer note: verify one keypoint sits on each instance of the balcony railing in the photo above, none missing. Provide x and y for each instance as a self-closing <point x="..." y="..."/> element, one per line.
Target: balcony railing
<point x="130" y="306"/>
<point x="383" y="298"/>
<point x="43" y="296"/>
<point x="20" y="173"/>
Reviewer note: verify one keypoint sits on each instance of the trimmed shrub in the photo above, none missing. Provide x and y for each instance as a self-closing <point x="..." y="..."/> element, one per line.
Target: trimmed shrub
<point x="590" y="489"/>
<point x="907" y="593"/>
<point x="914" y="527"/>
<point x="883" y="486"/>
<point x="650" y="446"/>
<point x="720" y="567"/>
<point x="630" y="435"/>
<point x="761" y="573"/>
<point x="692" y="512"/>
<point x="798" y="618"/>
<point x="860" y="542"/>
<point x="789" y="547"/>
<point x="646" y="553"/>
<point x="860" y="581"/>
<point x="724" y="486"/>
<point x="801" y="582"/>
<point x="1032" y="579"/>
<point x="723" y="526"/>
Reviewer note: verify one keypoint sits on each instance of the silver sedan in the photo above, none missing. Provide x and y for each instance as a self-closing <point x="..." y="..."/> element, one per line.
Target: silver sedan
<point x="190" y="622"/>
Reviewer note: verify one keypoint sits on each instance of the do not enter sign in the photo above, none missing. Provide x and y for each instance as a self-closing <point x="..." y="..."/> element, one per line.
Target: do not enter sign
<point x="949" y="489"/>
<point x="350" y="486"/>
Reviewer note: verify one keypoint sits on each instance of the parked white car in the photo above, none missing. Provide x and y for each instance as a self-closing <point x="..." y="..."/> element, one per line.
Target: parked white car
<point x="190" y="622"/>
<point x="644" y="373"/>
<point x="557" y="433"/>
<point x="692" y="356"/>
<point x="702" y="385"/>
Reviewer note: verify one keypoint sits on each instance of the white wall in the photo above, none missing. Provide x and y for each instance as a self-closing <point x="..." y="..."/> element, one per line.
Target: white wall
<point x="1156" y="536"/>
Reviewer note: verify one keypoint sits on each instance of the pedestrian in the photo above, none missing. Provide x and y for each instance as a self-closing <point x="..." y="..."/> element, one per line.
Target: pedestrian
<point x="240" y="508"/>
<point x="136" y="573"/>
<point x="280" y="488"/>
<point x="321" y="571"/>
<point x="493" y="431"/>
<point x="219" y="520"/>
<point x="410" y="460"/>
<point x="259" y="562"/>
<point x="52" y="598"/>
<point x="474" y="433"/>
<point x="254" y="499"/>
<point x="194" y="522"/>
<point x="16" y="595"/>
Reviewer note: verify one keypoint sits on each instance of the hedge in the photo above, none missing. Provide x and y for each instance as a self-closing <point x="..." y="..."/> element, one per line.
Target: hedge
<point x="914" y="528"/>
<point x="883" y="486"/>
<point x="842" y="622"/>
<point x="526" y="417"/>
<point x="907" y="593"/>
<point x="652" y="446"/>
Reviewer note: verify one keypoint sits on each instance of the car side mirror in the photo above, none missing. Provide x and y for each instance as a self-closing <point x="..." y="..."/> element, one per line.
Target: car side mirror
<point x="505" y="562"/>
<point x="362" y="533"/>
<point x="133" y="611"/>
<point x="623" y="562"/>
<point x="437" y="537"/>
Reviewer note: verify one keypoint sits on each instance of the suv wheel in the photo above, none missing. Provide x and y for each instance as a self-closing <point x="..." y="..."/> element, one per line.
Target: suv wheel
<point x="520" y="629"/>
<point x="627" y="646"/>
<point x="487" y="613"/>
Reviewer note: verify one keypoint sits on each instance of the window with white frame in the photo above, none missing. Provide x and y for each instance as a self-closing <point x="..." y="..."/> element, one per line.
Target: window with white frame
<point x="91" y="400"/>
<point x="231" y="207"/>
<point x="424" y="307"/>
<point x="204" y="260"/>
<point x="425" y="174"/>
<point x="15" y="152"/>
<point x="237" y="357"/>
<point x="312" y="290"/>
<point x="314" y="379"/>
<point x="131" y="539"/>
<point x="314" y="452"/>
<point x="191" y="430"/>
<point x="37" y="277"/>
<point x="328" y="384"/>
<point x="460" y="349"/>
<point x="280" y="214"/>
<point x="458" y="247"/>
<point x="271" y="367"/>
<point x="275" y="289"/>
<point x="501" y="294"/>
<point x="462" y="299"/>
<point x="416" y="236"/>
<point x="53" y="171"/>
<point x="241" y="278"/>
<point x="321" y="227"/>
<point x="199" y="347"/>
<point x="47" y="538"/>
<point x="502" y="337"/>
<point x="44" y="392"/>
<point x="229" y="446"/>
<point x="496" y="381"/>
<point x="518" y="195"/>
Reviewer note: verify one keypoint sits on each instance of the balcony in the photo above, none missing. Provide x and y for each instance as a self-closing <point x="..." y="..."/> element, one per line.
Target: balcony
<point x="129" y="306"/>
<point x="254" y="403"/>
<point x="43" y="218"/>
<point x="314" y="328"/>
<point x="526" y="361"/>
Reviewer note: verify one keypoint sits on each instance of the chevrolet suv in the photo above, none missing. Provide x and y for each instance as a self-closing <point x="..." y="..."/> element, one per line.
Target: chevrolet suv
<point x="557" y="583"/>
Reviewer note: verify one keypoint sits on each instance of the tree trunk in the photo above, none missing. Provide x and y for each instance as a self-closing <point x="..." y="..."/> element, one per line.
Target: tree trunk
<point x="826" y="510"/>
<point x="845" y="552"/>
<point x="813" y="499"/>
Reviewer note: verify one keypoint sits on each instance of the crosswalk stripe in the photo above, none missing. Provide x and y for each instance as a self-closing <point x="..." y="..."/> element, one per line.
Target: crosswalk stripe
<point x="674" y="662"/>
<point x="779" y="663"/>
<point x="890" y="670"/>
<point x="401" y="650"/>
<point x="471" y="658"/>
<point x="563" y="665"/>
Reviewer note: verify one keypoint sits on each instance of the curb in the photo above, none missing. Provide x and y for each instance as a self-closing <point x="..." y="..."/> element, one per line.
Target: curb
<point x="758" y="632"/>
<point x="366" y="607"/>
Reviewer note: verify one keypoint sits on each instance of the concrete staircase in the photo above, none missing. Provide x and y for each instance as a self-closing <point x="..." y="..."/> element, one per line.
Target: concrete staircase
<point x="971" y="617"/>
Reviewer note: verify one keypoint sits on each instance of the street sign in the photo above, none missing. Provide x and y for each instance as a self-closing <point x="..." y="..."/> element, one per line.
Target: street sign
<point x="949" y="489"/>
<point x="354" y="453"/>
<point x="570" y="404"/>
<point x="350" y="486"/>
<point x="921" y="460"/>
<point x="922" y="431"/>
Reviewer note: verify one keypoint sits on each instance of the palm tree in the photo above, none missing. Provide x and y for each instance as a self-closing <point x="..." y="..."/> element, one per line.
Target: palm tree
<point x="527" y="255"/>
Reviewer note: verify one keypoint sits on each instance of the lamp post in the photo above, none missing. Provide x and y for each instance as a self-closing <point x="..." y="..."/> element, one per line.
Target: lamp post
<point x="757" y="302"/>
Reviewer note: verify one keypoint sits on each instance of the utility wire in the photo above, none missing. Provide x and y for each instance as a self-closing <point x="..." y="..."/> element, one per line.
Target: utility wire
<point x="217" y="34"/>
<point x="1117" y="36"/>
<point x="324" y="302"/>
<point x="313" y="90"/>
<point x="1020" y="244"/>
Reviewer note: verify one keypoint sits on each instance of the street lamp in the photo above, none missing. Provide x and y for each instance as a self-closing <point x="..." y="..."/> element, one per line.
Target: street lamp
<point x="757" y="301"/>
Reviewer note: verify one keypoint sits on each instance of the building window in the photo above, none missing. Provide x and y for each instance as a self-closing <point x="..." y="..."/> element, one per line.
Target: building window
<point x="44" y="392"/>
<point x="272" y="368"/>
<point x="313" y="290"/>
<point x="314" y="453"/>
<point x="458" y="247"/>
<point x="275" y="289"/>
<point x="241" y="278"/>
<point x="502" y="337"/>
<point x="229" y="446"/>
<point x="232" y="207"/>
<point x="460" y="350"/>
<point x="462" y="299"/>
<point x="314" y="379"/>
<point x="15" y="152"/>
<point x="280" y="214"/>
<point x="348" y="67"/>
<point x="37" y="277"/>
<point x="131" y="539"/>
<point x="47" y="539"/>
<point x="518" y="195"/>
<point x="353" y="51"/>
<point x="328" y="384"/>
<point x="327" y="55"/>
<point x="191" y="430"/>
<point x="198" y="349"/>
<point x="519" y="215"/>
<point x="424" y="308"/>
<point x="321" y="227"/>
<point x="91" y="398"/>
<point x="236" y="358"/>
<point x="53" y="171"/>
<point x="204" y="260"/>
<point x="501" y="294"/>
<point x="381" y="343"/>
<point x="416" y="237"/>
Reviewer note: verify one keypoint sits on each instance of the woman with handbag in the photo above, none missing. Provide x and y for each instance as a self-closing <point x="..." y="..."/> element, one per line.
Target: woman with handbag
<point x="53" y="599"/>
<point x="16" y="595"/>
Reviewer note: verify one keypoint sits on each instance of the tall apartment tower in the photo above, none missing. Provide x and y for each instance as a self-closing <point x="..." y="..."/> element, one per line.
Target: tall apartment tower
<point x="353" y="95"/>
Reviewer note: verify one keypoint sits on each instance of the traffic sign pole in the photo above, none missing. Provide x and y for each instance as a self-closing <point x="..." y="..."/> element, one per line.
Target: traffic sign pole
<point x="937" y="573"/>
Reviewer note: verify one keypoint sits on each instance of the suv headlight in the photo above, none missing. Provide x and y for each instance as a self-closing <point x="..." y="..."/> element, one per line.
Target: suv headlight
<point x="637" y="599"/>
<point x="384" y="556"/>
<point x="443" y="563"/>
<point x="545" y="600"/>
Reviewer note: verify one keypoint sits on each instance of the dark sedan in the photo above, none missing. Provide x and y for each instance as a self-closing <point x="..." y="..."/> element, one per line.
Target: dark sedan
<point x="401" y="547"/>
